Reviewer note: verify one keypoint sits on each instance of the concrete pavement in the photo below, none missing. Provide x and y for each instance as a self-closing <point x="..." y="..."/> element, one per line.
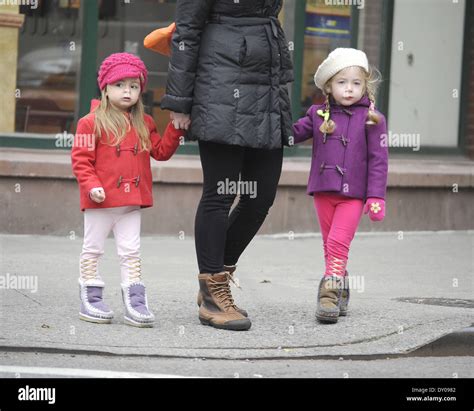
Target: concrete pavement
<point x="278" y="277"/>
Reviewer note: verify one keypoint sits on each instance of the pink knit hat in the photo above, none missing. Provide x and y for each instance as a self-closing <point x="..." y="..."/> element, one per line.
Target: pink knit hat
<point x="119" y="66"/>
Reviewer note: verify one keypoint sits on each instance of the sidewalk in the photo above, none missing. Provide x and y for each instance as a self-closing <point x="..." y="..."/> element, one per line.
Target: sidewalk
<point x="279" y="278"/>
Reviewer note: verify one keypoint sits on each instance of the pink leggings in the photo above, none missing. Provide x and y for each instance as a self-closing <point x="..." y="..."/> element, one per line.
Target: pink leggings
<point x="338" y="217"/>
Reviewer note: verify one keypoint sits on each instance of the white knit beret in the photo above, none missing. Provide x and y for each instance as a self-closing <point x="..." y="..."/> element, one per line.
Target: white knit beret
<point x="338" y="60"/>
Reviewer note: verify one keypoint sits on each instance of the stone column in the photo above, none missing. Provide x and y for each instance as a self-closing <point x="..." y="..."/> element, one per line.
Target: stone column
<point x="10" y="22"/>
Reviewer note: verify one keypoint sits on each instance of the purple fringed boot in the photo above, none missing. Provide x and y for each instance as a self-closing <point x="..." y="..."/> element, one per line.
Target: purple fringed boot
<point x="93" y="308"/>
<point x="135" y="301"/>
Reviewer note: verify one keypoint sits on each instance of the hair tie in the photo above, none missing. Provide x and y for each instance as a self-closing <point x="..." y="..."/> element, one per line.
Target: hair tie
<point x="323" y="114"/>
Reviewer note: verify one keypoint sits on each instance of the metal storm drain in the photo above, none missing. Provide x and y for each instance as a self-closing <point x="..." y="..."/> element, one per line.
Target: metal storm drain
<point x="457" y="343"/>
<point x="446" y="302"/>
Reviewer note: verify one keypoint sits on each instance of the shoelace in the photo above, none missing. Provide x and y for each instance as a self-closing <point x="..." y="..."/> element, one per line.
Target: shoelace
<point x="337" y="266"/>
<point x="231" y="278"/>
<point x="88" y="269"/>
<point x="134" y="269"/>
<point x="222" y="291"/>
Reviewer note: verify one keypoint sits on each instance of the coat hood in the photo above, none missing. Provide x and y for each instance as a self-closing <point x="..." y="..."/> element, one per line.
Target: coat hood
<point x="363" y="102"/>
<point x="94" y="104"/>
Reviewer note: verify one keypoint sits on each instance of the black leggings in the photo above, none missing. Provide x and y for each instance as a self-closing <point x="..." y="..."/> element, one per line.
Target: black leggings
<point x="221" y="238"/>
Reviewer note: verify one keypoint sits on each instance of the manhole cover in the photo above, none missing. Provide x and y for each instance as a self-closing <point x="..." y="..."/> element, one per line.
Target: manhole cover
<point x="446" y="302"/>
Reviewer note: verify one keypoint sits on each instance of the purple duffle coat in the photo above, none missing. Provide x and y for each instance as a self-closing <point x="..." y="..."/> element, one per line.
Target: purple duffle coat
<point x="353" y="160"/>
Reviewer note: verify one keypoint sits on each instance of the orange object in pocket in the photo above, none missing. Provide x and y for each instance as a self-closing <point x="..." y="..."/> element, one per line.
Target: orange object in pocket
<point x="160" y="40"/>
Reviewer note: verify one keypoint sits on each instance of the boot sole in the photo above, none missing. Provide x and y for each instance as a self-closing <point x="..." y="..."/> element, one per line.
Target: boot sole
<point x="94" y="320"/>
<point x="237" y="325"/>
<point x="138" y="324"/>
<point x="326" y="320"/>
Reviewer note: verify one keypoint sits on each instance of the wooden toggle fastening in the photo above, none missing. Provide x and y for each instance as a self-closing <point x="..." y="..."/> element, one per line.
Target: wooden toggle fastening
<point x="321" y="168"/>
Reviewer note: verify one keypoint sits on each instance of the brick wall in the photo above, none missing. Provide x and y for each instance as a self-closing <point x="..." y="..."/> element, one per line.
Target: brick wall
<point x="370" y="28"/>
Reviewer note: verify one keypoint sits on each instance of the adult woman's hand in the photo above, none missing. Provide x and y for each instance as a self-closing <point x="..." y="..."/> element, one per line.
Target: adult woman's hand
<point x="180" y="120"/>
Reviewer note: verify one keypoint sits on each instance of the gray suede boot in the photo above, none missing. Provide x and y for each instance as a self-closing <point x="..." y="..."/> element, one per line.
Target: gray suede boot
<point x="345" y="295"/>
<point x="329" y="299"/>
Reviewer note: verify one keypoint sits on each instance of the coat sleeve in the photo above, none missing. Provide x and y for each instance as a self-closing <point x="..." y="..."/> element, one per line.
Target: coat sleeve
<point x="83" y="155"/>
<point x="191" y="16"/>
<point x="303" y="128"/>
<point x="377" y="155"/>
<point x="162" y="148"/>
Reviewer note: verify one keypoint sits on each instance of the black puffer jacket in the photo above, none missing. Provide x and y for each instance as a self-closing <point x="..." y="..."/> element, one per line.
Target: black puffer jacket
<point x="229" y="68"/>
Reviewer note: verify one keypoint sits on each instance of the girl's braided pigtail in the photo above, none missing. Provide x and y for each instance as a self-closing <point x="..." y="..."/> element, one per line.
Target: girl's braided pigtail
<point x="372" y="116"/>
<point x="328" y="126"/>
<point x="373" y="78"/>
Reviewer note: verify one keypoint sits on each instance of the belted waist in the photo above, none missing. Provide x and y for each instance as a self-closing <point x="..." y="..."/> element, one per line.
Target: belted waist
<point x="246" y="21"/>
<point x="279" y="51"/>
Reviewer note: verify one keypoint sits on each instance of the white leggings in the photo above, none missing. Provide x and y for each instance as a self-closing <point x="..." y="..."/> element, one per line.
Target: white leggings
<point x="125" y="223"/>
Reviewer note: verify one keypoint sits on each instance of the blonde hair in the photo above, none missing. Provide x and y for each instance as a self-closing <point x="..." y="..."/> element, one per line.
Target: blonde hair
<point x="110" y="120"/>
<point x="372" y="80"/>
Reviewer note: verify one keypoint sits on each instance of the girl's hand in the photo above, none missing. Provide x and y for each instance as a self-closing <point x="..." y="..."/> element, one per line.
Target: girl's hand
<point x="180" y="120"/>
<point x="97" y="194"/>
<point x="376" y="208"/>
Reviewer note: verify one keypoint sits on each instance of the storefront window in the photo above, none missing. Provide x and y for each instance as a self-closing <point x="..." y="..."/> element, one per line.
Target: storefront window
<point x="122" y="27"/>
<point x="49" y="56"/>
<point x="48" y="62"/>
<point x="326" y="28"/>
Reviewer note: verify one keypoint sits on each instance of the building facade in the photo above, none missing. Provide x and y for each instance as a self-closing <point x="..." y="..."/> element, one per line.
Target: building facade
<point x="51" y="49"/>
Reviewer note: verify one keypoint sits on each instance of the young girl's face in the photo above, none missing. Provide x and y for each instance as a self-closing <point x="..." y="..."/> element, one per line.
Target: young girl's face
<point x="348" y="86"/>
<point x="124" y="94"/>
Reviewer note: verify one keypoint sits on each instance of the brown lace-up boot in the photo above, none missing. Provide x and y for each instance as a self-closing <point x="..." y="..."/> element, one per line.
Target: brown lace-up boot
<point x="230" y="269"/>
<point x="217" y="308"/>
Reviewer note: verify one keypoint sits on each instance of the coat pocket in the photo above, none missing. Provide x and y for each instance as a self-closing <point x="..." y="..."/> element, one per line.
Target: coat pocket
<point x="256" y="55"/>
<point x="243" y="51"/>
<point x="226" y="49"/>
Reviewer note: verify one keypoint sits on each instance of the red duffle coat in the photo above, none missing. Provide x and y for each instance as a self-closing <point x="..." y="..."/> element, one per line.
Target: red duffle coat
<point x="123" y="171"/>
